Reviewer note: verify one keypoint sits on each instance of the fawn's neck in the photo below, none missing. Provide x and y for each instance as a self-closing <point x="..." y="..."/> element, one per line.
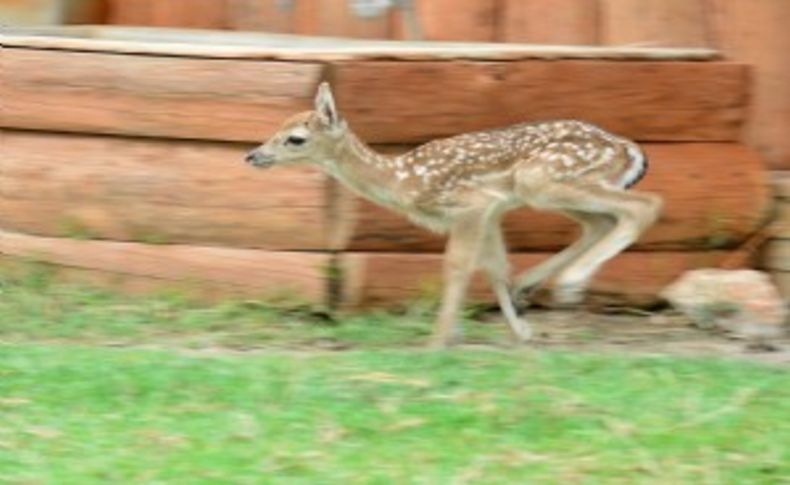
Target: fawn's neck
<point x="365" y="171"/>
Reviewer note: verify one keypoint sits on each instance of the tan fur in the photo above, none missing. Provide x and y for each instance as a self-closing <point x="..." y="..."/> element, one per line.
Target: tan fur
<point x="463" y="185"/>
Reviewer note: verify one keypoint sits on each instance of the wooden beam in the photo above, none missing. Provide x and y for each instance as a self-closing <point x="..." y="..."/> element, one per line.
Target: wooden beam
<point x="757" y="33"/>
<point x="223" y="270"/>
<point x="156" y="191"/>
<point x="389" y="279"/>
<point x="152" y="96"/>
<point x="648" y="101"/>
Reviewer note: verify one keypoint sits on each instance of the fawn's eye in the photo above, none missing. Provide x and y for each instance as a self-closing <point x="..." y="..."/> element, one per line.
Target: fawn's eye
<point x="295" y="140"/>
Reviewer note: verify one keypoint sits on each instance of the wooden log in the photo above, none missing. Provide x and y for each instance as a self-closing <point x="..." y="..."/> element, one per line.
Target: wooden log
<point x="757" y="33"/>
<point x="224" y="270"/>
<point x="715" y="196"/>
<point x="648" y="101"/>
<point x="549" y="22"/>
<point x="202" y="193"/>
<point x="655" y="22"/>
<point x="156" y="191"/>
<point x="152" y="96"/>
<point x="387" y="279"/>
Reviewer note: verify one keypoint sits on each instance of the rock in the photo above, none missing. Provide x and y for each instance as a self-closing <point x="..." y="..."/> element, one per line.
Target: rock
<point x="744" y="302"/>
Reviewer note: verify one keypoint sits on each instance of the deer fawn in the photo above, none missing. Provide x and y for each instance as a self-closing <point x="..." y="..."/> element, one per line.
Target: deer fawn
<point x="464" y="184"/>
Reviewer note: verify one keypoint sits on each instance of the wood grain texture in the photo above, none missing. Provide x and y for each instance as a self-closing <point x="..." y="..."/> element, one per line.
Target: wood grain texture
<point x="457" y="20"/>
<point x="234" y="271"/>
<point x="387" y="279"/>
<point x="549" y="21"/>
<point x="205" y="14"/>
<point x="152" y="96"/>
<point x="647" y="101"/>
<point x="757" y="33"/>
<point x="202" y="193"/>
<point x="655" y="22"/>
<point x="716" y="195"/>
<point x="154" y="190"/>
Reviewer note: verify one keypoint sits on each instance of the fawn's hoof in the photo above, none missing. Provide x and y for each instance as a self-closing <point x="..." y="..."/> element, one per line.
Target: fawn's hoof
<point x="568" y="295"/>
<point x="521" y="332"/>
<point x="445" y="341"/>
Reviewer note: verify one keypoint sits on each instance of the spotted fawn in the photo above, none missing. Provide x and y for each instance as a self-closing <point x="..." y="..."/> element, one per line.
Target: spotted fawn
<point x="463" y="185"/>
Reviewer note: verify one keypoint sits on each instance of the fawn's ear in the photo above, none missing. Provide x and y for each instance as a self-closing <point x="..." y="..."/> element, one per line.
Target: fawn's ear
<point x="325" y="106"/>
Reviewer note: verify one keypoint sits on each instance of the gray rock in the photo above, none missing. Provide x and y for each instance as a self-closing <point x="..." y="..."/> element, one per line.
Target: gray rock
<point x="744" y="302"/>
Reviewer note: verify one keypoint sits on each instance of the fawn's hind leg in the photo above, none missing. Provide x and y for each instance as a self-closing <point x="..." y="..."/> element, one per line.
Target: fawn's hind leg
<point x="633" y="212"/>
<point x="594" y="227"/>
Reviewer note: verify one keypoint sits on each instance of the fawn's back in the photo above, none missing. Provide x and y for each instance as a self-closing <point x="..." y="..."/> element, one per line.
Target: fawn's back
<point x="567" y="151"/>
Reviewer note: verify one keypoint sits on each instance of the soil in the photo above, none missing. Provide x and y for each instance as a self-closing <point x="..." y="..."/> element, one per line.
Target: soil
<point x="649" y="334"/>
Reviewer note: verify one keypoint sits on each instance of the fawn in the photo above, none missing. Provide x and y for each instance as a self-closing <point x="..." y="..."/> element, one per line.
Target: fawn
<point x="463" y="185"/>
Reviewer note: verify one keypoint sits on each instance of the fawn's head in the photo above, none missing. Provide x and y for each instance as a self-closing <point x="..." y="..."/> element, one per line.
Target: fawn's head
<point x="307" y="137"/>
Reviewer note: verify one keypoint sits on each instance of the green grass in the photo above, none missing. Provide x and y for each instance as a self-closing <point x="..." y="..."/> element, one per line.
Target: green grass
<point x="192" y="408"/>
<point x="31" y="307"/>
<point x="88" y="415"/>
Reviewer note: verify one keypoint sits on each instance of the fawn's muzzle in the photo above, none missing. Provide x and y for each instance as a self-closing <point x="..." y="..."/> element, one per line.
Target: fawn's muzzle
<point x="259" y="160"/>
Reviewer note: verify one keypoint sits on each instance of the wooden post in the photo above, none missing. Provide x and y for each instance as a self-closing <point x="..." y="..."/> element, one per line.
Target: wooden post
<point x="756" y="32"/>
<point x="462" y="20"/>
<point x="680" y="23"/>
<point x="206" y="14"/>
<point x="549" y="21"/>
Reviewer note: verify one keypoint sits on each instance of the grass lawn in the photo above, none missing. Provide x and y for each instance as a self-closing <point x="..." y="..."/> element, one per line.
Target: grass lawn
<point x="96" y="388"/>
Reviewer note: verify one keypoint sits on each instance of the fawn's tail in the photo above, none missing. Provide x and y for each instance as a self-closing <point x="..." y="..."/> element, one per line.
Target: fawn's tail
<point x="636" y="168"/>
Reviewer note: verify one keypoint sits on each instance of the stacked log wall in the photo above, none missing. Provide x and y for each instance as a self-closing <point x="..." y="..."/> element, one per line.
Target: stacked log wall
<point x="132" y="164"/>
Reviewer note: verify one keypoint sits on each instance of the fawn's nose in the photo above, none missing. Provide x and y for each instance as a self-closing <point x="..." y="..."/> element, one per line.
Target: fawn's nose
<point x="258" y="159"/>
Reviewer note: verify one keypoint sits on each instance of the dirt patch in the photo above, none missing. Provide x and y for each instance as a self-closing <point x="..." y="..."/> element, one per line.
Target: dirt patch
<point x="653" y="334"/>
<point x="578" y="331"/>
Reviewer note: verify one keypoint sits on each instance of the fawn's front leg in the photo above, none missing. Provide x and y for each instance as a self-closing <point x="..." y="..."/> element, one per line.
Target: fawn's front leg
<point x="493" y="259"/>
<point x="460" y="259"/>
